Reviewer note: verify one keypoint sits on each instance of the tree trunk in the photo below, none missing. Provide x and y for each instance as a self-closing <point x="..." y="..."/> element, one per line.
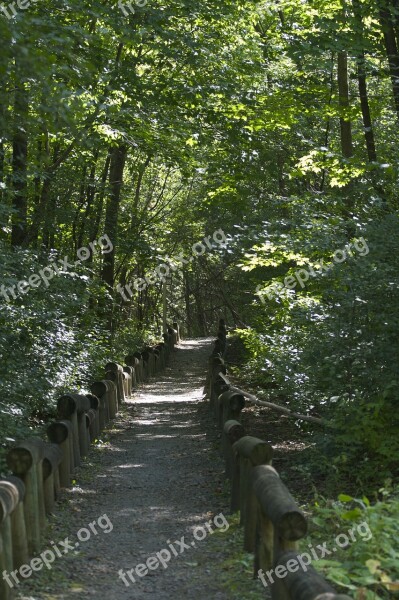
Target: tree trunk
<point x="3" y="137"/>
<point x="20" y="160"/>
<point x="343" y="89"/>
<point x="391" y="48"/>
<point x="118" y="159"/>
<point x="48" y="201"/>
<point x="90" y="195"/>
<point x="187" y="299"/>
<point x="101" y="195"/>
<point x="365" y="106"/>
<point x="362" y="81"/>
<point x="80" y="203"/>
<point x="328" y="121"/>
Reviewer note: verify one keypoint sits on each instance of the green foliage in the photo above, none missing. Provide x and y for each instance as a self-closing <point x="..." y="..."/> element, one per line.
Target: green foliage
<point x="330" y="346"/>
<point x="368" y="566"/>
<point x="50" y="342"/>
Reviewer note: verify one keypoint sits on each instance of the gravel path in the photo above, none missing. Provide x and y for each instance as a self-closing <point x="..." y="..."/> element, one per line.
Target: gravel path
<point x="156" y="479"/>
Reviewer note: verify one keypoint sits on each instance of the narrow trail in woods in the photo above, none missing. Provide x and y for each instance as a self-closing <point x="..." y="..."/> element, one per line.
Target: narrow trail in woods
<point x="157" y="477"/>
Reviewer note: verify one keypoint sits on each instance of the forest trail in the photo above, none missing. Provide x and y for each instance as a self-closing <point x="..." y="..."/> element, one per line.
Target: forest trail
<point x="157" y="478"/>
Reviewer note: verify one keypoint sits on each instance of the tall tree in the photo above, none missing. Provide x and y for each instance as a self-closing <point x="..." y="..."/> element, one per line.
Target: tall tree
<point x="20" y="154"/>
<point x="391" y="46"/>
<point x="117" y="165"/>
<point x="362" y="81"/>
<point x="344" y="103"/>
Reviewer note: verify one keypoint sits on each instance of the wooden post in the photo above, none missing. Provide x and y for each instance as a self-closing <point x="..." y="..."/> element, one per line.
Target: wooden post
<point x="9" y="498"/>
<point x="73" y="407"/>
<point x="100" y="389"/>
<point x="95" y="406"/>
<point x="140" y="367"/>
<point x="25" y="461"/>
<point x="131" y="361"/>
<point x="5" y="589"/>
<point x="83" y="435"/>
<point x="218" y="388"/>
<point x="125" y="384"/>
<point x="135" y="380"/>
<point x="91" y="424"/>
<point x="278" y="517"/>
<point x="112" y="393"/>
<point x="252" y="452"/>
<point x="20" y="552"/>
<point x="230" y="405"/>
<point x="52" y="456"/>
<point x="232" y="432"/>
<point x="67" y="410"/>
<point x="129" y="380"/>
<point x="113" y="402"/>
<point x="216" y="366"/>
<point x="60" y="432"/>
<point x="117" y="369"/>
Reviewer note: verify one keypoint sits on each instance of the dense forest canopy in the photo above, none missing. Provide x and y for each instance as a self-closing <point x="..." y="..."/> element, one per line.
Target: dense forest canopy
<point x="220" y="159"/>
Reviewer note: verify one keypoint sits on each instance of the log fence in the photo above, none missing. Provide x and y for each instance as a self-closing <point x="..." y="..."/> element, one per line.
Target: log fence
<point x="272" y="522"/>
<point x="40" y="469"/>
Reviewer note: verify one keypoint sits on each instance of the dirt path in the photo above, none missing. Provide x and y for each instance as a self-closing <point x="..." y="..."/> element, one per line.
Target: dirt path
<point x="156" y="479"/>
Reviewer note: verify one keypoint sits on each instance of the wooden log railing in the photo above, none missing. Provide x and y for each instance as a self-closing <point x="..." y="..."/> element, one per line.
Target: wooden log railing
<point x="40" y="469"/>
<point x="273" y="524"/>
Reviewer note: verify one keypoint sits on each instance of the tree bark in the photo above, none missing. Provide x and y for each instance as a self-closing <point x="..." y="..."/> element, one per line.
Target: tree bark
<point x="3" y="137"/>
<point x="391" y="47"/>
<point x="101" y="195"/>
<point x="343" y="89"/>
<point x="363" y="93"/>
<point x="366" y="112"/>
<point x="90" y="195"/>
<point x="117" y="165"/>
<point x="20" y="159"/>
